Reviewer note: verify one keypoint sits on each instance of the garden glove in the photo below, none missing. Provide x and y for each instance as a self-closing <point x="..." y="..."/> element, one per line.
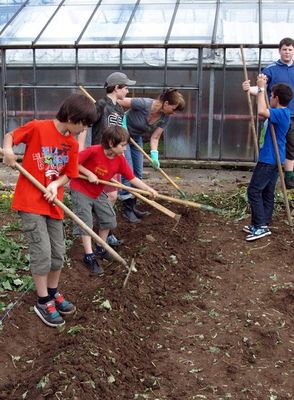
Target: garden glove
<point x="155" y="161"/>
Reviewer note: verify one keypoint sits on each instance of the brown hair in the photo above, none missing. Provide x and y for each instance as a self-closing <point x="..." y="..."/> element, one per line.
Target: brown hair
<point x="114" y="135"/>
<point x="286" y="42"/>
<point x="173" y="97"/>
<point x="110" y="89"/>
<point x="77" y="108"/>
<point x="284" y="93"/>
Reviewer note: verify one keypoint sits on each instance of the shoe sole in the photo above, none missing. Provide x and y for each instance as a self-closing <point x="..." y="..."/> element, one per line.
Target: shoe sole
<point x="45" y="321"/>
<point x="66" y="312"/>
<point x="252" y="238"/>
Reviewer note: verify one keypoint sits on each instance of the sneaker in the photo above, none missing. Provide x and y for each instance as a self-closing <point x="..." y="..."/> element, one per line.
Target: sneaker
<point x="63" y="306"/>
<point x="102" y="253"/>
<point x="113" y="241"/>
<point x="258" y="233"/>
<point x="289" y="183"/>
<point x="48" y="314"/>
<point x="248" y="228"/>
<point x="90" y="262"/>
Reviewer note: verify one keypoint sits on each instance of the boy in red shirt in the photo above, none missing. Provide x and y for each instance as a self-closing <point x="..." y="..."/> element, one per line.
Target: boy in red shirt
<point x="96" y="162"/>
<point x="51" y="156"/>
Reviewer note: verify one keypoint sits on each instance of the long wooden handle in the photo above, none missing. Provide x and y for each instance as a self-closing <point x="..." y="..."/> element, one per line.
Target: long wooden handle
<point x="252" y="122"/>
<point x="87" y="94"/>
<point x="150" y="159"/>
<point x="152" y="203"/>
<point x="281" y="174"/>
<point x="160" y="196"/>
<point x="59" y="203"/>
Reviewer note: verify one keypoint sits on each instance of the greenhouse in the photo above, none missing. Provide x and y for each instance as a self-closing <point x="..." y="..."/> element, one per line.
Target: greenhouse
<point x="50" y="47"/>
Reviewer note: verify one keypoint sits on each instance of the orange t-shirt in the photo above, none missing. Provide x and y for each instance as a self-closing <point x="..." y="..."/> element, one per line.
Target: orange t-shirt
<point x="48" y="155"/>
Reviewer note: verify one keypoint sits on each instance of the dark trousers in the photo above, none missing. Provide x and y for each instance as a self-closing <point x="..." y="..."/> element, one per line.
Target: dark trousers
<point x="261" y="193"/>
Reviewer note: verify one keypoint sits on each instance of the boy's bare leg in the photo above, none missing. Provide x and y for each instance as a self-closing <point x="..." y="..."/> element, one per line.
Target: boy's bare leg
<point x="42" y="282"/>
<point x="289" y="165"/>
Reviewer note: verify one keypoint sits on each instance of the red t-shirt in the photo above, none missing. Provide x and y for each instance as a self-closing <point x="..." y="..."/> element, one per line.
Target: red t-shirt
<point x="48" y="155"/>
<point x="94" y="159"/>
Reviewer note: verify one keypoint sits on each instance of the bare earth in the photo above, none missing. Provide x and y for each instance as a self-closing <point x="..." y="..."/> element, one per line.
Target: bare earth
<point x="204" y="316"/>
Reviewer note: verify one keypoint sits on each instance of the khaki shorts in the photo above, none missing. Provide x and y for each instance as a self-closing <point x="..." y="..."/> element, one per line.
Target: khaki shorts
<point x="45" y="236"/>
<point x="84" y="207"/>
<point x="290" y="142"/>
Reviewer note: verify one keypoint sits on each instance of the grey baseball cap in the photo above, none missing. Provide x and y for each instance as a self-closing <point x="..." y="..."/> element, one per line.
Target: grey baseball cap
<point x="118" y="78"/>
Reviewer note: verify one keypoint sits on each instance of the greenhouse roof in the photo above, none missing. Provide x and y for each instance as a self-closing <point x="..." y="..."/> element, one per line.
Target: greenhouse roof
<point x="148" y="23"/>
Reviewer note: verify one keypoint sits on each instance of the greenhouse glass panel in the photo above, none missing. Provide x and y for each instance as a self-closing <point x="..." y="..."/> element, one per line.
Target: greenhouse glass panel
<point x="238" y="22"/>
<point x="269" y="55"/>
<point x="151" y="22"/>
<point x="109" y="23"/>
<point x="55" y="56"/>
<point x="193" y="23"/>
<point x="144" y="56"/>
<point x="19" y="66"/>
<point x="25" y="27"/>
<point x="277" y="21"/>
<point x="7" y="11"/>
<point x="67" y="24"/>
<point x="99" y="56"/>
<point x="180" y="135"/>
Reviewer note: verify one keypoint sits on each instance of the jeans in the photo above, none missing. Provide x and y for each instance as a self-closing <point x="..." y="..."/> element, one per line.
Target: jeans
<point x="135" y="159"/>
<point x="261" y="193"/>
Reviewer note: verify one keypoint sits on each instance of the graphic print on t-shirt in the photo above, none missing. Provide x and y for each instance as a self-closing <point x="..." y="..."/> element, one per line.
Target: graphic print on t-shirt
<point x="52" y="160"/>
<point x="114" y="119"/>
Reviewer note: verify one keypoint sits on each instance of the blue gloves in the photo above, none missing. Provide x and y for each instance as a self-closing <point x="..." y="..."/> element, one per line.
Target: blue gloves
<point x="155" y="161"/>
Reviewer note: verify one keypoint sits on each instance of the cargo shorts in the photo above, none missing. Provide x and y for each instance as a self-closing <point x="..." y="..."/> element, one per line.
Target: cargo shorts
<point x="45" y="236"/>
<point x="84" y="207"/>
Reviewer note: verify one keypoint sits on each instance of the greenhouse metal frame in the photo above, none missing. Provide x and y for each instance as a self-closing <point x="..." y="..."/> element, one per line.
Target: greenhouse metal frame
<point x="48" y="48"/>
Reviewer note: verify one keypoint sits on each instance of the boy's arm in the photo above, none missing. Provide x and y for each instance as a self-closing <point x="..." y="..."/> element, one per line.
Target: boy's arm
<point x="52" y="188"/>
<point x="90" y="175"/>
<point x="252" y="89"/>
<point x="262" y="109"/>
<point x="9" y="156"/>
<point x="141" y="185"/>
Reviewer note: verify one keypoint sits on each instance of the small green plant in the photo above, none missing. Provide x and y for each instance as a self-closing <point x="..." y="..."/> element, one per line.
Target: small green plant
<point x="5" y="201"/>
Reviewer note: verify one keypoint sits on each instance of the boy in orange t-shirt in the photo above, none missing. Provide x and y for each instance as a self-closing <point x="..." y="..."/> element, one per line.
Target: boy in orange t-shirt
<point x="51" y="156"/>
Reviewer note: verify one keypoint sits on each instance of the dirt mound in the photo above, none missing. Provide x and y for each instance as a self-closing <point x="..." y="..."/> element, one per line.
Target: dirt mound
<point x="206" y="316"/>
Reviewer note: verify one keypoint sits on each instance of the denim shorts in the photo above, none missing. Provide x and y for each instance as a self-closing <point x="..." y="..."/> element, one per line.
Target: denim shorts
<point x="84" y="207"/>
<point x="45" y="236"/>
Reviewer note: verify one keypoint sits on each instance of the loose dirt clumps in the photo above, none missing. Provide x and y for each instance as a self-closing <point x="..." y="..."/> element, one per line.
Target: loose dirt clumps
<point x="204" y="315"/>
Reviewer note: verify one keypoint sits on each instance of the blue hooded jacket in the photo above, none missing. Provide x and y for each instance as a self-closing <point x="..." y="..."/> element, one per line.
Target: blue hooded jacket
<point x="279" y="72"/>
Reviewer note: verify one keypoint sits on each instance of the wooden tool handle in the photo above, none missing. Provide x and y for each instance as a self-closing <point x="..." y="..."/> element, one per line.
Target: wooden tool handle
<point x="59" y="203"/>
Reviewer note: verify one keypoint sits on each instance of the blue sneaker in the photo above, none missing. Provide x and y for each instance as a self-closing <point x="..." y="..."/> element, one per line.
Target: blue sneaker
<point x="102" y="253"/>
<point x="258" y="233"/>
<point x="113" y="241"/>
<point x="248" y="228"/>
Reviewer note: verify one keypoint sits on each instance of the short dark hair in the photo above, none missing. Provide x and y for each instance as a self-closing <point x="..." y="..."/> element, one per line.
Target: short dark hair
<point x="110" y="89"/>
<point x="77" y="108"/>
<point x="173" y="97"/>
<point x="114" y="135"/>
<point x="286" y="42"/>
<point x="284" y="93"/>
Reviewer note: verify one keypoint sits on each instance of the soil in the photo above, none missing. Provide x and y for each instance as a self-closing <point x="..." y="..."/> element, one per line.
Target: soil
<point x="206" y="315"/>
